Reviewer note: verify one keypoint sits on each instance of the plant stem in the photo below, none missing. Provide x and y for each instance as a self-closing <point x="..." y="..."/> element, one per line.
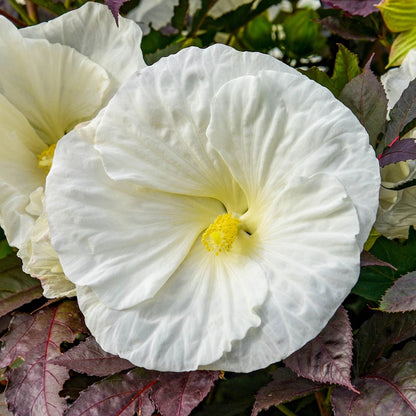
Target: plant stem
<point x="17" y="22"/>
<point x="323" y="410"/>
<point x="32" y="11"/>
<point x="285" y="410"/>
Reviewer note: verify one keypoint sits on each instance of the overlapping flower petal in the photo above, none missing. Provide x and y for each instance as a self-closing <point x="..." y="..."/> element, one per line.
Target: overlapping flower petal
<point x="53" y="76"/>
<point x="195" y="136"/>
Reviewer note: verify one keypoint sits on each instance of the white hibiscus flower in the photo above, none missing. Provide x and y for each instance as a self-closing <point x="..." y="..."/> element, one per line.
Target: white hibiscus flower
<point x="397" y="210"/>
<point x="215" y="213"/>
<point x="52" y="76"/>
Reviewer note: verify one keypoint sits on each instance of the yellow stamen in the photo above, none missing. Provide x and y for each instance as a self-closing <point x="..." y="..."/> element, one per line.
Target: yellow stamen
<point x="221" y="234"/>
<point x="46" y="157"/>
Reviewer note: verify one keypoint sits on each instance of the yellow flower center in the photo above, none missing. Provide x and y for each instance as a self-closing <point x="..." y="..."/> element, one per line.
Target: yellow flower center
<point x="46" y="157"/>
<point x="221" y="234"/>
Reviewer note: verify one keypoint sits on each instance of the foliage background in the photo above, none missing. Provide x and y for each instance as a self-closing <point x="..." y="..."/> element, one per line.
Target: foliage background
<point x="363" y="362"/>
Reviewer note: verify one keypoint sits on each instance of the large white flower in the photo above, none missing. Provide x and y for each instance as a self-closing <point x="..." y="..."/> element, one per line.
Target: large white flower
<point x="52" y="77"/>
<point x="216" y="211"/>
<point x="397" y="209"/>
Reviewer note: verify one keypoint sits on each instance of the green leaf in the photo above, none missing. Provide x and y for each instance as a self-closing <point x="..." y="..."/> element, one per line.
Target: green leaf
<point x="366" y="98"/>
<point x="401" y="46"/>
<point x="258" y="34"/>
<point x="16" y="288"/>
<point x="320" y="77"/>
<point x="346" y="68"/>
<point x="5" y="249"/>
<point x="303" y="35"/>
<point x="375" y="280"/>
<point x="57" y="8"/>
<point x="179" y="14"/>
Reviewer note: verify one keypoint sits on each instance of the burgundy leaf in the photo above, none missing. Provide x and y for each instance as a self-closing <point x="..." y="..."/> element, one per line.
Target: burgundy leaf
<point x="403" y="113"/>
<point x="114" y="6"/>
<point x="16" y="287"/>
<point x="379" y="333"/>
<point x="88" y="357"/>
<point x="399" y="151"/>
<point x="388" y="390"/>
<point x="401" y="297"/>
<point x="346" y="28"/>
<point x="366" y="98"/>
<point x="368" y="259"/>
<point x="177" y="394"/>
<point x="33" y="388"/>
<point x="354" y="7"/>
<point x="121" y="395"/>
<point x="286" y="386"/>
<point x="328" y="357"/>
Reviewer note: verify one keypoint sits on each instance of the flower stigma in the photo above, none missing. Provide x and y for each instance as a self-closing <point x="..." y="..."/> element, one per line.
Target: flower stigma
<point x="46" y="157"/>
<point x="221" y="234"/>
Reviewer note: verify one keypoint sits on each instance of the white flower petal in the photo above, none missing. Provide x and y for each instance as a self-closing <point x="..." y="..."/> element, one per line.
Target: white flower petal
<point x="397" y="209"/>
<point x="206" y="305"/>
<point x="54" y="86"/>
<point x="40" y="260"/>
<point x="396" y="80"/>
<point x="92" y="31"/>
<point x="113" y="237"/>
<point x="19" y="171"/>
<point x="262" y="125"/>
<point x="306" y="243"/>
<point x="172" y="98"/>
<point x="156" y="13"/>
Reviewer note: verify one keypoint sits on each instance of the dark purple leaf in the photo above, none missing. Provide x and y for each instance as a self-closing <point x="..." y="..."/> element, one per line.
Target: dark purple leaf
<point x="114" y="6"/>
<point x="16" y="287"/>
<point x="401" y="297"/>
<point x="354" y="7"/>
<point x="286" y="386"/>
<point x="401" y="115"/>
<point x="399" y="151"/>
<point x="177" y="394"/>
<point x="366" y="98"/>
<point x="377" y="335"/>
<point x="174" y="394"/>
<point x="33" y="388"/>
<point x="89" y="358"/>
<point x="388" y="390"/>
<point x="368" y="259"/>
<point x="328" y="357"/>
<point x="121" y="395"/>
<point x="347" y="28"/>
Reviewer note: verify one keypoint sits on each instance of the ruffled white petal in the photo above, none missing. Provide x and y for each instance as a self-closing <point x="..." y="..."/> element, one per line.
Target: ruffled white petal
<point x="274" y="126"/>
<point x="396" y="80"/>
<point x="155" y="13"/>
<point x="306" y="243"/>
<point x="123" y="241"/>
<point x="19" y="171"/>
<point x="91" y="30"/>
<point x="206" y="305"/>
<point x="159" y="118"/>
<point x="40" y="260"/>
<point x="54" y="86"/>
<point x="397" y="209"/>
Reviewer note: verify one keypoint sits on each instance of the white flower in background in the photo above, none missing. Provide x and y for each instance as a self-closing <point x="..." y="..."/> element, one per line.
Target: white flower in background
<point x="52" y="77"/>
<point x="215" y="213"/>
<point x="396" y="80"/>
<point x="397" y="209"/>
<point x="158" y="13"/>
